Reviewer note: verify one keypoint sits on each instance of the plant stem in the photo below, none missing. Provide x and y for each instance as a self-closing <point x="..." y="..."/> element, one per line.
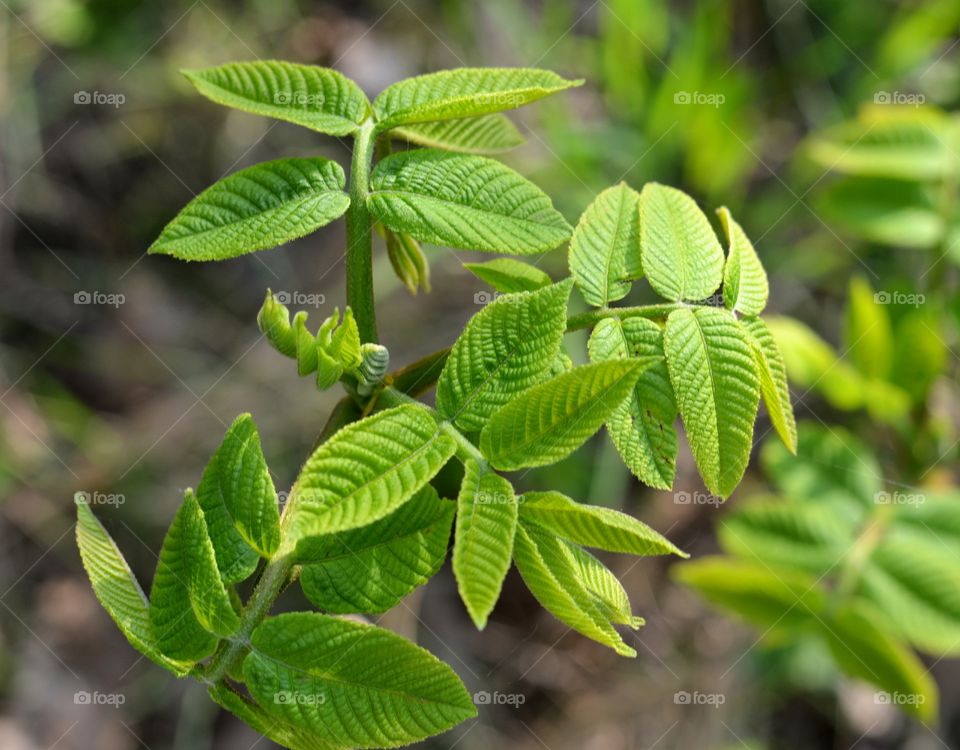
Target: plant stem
<point x="592" y="317"/>
<point x="360" y="237"/>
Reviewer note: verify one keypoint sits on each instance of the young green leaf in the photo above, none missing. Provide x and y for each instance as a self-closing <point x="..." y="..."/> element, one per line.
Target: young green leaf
<point x="593" y="526"/>
<point x="606" y="587"/>
<point x="714" y="375"/>
<point x="367" y="470"/>
<point x="370" y="569"/>
<point x="486" y="523"/>
<point x="552" y="573"/>
<point x="256" y="208"/>
<point x="508" y="275"/>
<point x="409" y="263"/>
<point x="464" y="201"/>
<point x="239" y="502"/>
<point x="489" y="134"/>
<point x="505" y="348"/>
<point x="117" y="589"/>
<point x="745" y="286"/>
<point x="189" y="606"/>
<point x="773" y="380"/>
<point x="317" y="98"/>
<point x="867" y="335"/>
<point x="642" y="426"/>
<point x="463" y="92"/>
<point x="681" y="255"/>
<point x="553" y="419"/>
<point x="353" y="685"/>
<point x="605" y="246"/>
<point x="277" y="730"/>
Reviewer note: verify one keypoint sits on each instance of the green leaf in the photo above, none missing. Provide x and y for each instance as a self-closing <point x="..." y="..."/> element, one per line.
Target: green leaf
<point x="867" y="336"/>
<point x="370" y="569"/>
<point x="605" y="246"/>
<point x="606" y="587"/>
<point x="317" y="98"/>
<point x="920" y="352"/>
<point x="464" y="201"/>
<point x="642" y="426"/>
<point x="745" y="286"/>
<point x="117" y="589"/>
<point x="553" y="575"/>
<point x="914" y="579"/>
<point x="714" y="376"/>
<point x="593" y="526"/>
<point x="681" y="255"/>
<point x="256" y="208"/>
<point x="367" y="470"/>
<point x="189" y="606"/>
<point x="508" y="275"/>
<point x="553" y="419"/>
<point x="505" y="348"/>
<point x="239" y="502"/>
<point x="864" y="650"/>
<point x="351" y="684"/>
<point x="773" y="599"/>
<point x="463" y="92"/>
<point x="408" y="261"/>
<point x="773" y="380"/>
<point x="489" y="134"/>
<point x="486" y="523"/>
<point x="282" y="732"/>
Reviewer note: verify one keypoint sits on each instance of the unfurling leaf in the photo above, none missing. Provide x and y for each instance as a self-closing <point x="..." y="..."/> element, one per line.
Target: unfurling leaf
<point x="352" y="685"/>
<point x="256" y="208"/>
<point x="409" y="263"/>
<point x="714" y="375"/>
<point x="317" y="98"/>
<point x="486" y="523"/>
<point x="745" y="286"/>
<point x="463" y="201"/>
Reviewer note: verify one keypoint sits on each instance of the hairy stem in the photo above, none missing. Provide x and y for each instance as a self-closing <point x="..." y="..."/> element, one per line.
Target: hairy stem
<point x="592" y="317"/>
<point x="360" y="237"/>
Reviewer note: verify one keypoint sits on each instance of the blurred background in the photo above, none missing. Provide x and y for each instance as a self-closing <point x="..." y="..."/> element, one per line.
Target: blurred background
<point x="119" y="373"/>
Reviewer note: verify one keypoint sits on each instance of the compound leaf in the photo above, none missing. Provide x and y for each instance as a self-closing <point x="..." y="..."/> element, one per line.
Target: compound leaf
<point x="486" y="523"/>
<point x="745" y="286"/>
<point x="593" y="526"/>
<point x="317" y="98"/>
<point x="681" y="255"/>
<point x="117" y="589"/>
<point x="256" y="208"/>
<point x="189" y="605"/>
<point x="463" y="92"/>
<point x="352" y="684"/>
<point x="367" y="470"/>
<point x="489" y="134"/>
<point x="464" y="201"/>
<point x="605" y="246"/>
<point x="714" y="375"/>
<point x="773" y="380"/>
<point x="551" y="420"/>
<point x="505" y="348"/>
<point x="509" y="275"/>
<point x="370" y="569"/>
<point x="642" y="426"/>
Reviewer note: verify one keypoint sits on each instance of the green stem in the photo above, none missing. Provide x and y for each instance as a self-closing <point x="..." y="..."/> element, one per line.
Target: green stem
<point x="859" y="554"/>
<point x="360" y="237"/>
<point x="592" y="317"/>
